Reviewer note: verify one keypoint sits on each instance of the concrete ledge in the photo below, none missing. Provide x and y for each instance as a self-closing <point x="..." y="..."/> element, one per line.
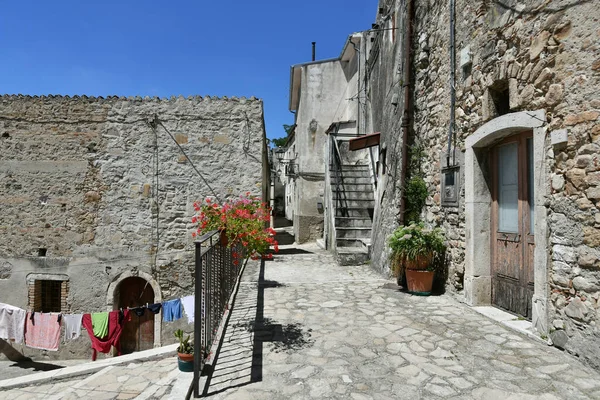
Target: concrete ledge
<point x="511" y="321"/>
<point x="87" y="368"/>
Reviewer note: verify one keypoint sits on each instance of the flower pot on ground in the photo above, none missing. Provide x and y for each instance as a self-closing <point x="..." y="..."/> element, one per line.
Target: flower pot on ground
<point x="414" y="248"/>
<point x="185" y="352"/>
<point x="419" y="282"/>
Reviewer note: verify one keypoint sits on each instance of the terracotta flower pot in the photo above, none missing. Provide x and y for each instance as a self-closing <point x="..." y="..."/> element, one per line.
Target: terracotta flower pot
<point x="185" y="357"/>
<point x="224" y="240"/>
<point x="419" y="282"/>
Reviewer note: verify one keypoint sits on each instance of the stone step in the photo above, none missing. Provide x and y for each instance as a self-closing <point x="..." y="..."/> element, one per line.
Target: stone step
<point x="351" y="173"/>
<point x="350" y="180"/>
<point x="353" y="232"/>
<point x="354" y="212"/>
<point x="351" y="222"/>
<point x="351" y="242"/>
<point x="356" y="166"/>
<point x="353" y="195"/>
<point x="353" y="187"/>
<point x="357" y="203"/>
<point x="351" y="255"/>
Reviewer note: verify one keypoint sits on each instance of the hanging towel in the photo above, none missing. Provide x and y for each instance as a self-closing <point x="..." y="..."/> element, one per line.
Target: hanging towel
<point x="12" y="323"/>
<point x="72" y="326"/>
<point x="188" y="307"/>
<point x="42" y="331"/>
<point x="100" y="324"/>
<point x="172" y="310"/>
<point x="116" y="320"/>
<point x="155" y="308"/>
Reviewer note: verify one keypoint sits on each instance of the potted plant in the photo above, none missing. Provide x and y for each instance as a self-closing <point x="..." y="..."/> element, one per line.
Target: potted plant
<point x="414" y="249"/>
<point x="239" y="221"/>
<point x="185" y="352"/>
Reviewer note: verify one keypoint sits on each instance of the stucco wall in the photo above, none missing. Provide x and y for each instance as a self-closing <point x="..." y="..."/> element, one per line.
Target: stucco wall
<point x="90" y="180"/>
<point x="548" y="57"/>
<point x="322" y="91"/>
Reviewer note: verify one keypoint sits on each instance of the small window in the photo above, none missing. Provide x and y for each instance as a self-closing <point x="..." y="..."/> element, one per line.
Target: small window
<point x="500" y="97"/>
<point x="48" y="294"/>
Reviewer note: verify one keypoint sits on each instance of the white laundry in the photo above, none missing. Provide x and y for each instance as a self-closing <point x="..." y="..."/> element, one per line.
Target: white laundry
<point x="188" y="303"/>
<point x="72" y="326"/>
<point x="12" y="323"/>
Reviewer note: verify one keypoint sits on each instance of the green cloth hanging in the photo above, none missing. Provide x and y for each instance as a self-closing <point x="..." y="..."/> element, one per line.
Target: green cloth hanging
<point x="100" y="324"/>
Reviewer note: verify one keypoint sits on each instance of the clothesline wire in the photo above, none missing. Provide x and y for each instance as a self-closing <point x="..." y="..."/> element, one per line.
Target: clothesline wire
<point x="120" y="308"/>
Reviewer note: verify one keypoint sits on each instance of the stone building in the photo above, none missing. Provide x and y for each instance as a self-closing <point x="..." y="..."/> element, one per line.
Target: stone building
<point x="97" y="198"/>
<point x="327" y="97"/>
<point x="503" y="114"/>
<point x="495" y="105"/>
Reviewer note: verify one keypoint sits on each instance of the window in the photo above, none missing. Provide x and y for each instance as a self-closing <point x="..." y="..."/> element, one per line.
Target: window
<point x="48" y="293"/>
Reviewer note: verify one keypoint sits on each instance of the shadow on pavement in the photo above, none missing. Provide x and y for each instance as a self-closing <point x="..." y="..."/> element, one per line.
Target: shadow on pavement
<point x="35" y="365"/>
<point x="290" y="337"/>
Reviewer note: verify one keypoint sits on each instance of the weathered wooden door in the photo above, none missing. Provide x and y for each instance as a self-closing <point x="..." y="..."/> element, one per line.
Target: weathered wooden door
<point x="138" y="334"/>
<point x="512" y="223"/>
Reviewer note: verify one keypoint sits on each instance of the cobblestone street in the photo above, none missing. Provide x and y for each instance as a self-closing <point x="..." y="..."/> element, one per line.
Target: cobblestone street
<point x="304" y="328"/>
<point x="311" y="329"/>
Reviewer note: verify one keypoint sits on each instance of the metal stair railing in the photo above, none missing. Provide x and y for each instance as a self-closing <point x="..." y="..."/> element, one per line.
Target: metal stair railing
<point x="341" y="201"/>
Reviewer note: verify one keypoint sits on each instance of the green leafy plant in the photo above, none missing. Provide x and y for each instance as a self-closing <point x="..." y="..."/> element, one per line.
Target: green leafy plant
<point x="414" y="247"/>
<point x="185" y="347"/>
<point x="415" y="194"/>
<point x="242" y="220"/>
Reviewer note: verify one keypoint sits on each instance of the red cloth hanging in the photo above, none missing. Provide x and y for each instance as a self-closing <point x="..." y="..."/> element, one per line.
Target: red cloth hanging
<point x="115" y="328"/>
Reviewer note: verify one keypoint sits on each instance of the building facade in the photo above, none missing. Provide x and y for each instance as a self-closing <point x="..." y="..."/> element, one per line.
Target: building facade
<point x="503" y="113"/>
<point x="97" y="198"/>
<point x="495" y="106"/>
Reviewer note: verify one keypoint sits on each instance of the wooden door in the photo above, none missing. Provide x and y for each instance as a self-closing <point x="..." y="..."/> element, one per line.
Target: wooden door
<point x="512" y="223"/>
<point x="138" y="334"/>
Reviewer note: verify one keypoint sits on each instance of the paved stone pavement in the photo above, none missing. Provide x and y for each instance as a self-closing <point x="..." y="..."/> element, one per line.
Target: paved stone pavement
<point x="304" y="328"/>
<point x="143" y="380"/>
<point x="313" y="330"/>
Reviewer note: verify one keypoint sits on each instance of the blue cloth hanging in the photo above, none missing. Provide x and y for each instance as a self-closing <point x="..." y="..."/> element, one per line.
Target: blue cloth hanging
<point x="172" y="310"/>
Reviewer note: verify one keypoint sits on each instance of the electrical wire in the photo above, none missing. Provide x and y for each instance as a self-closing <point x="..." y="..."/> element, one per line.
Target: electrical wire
<point x="159" y="122"/>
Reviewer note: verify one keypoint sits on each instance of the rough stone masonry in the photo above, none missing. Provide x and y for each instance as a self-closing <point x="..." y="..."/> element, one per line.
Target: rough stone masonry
<point x="521" y="56"/>
<point x="95" y="190"/>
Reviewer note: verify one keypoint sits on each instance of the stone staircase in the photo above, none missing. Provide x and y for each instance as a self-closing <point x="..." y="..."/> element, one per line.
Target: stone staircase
<point x="353" y="202"/>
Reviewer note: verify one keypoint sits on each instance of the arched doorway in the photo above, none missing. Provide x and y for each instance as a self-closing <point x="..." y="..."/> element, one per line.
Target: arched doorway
<point x="138" y="333"/>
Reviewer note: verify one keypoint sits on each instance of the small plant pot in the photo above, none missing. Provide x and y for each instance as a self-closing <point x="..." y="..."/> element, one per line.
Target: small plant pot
<point x="223" y="239"/>
<point x="185" y="362"/>
<point x="186" y="357"/>
<point x="419" y="282"/>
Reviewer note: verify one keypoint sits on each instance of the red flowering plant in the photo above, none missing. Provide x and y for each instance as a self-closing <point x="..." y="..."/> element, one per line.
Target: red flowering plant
<point x="242" y="220"/>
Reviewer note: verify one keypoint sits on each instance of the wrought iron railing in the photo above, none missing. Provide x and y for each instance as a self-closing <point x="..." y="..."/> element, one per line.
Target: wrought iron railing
<point x="217" y="270"/>
<point x="340" y="199"/>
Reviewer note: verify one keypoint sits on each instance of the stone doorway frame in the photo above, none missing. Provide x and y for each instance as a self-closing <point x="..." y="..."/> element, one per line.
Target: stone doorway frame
<point x="111" y="300"/>
<point x="478" y="280"/>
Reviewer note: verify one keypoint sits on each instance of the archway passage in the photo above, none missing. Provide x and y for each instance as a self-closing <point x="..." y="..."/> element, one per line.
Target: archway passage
<point x="138" y="333"/>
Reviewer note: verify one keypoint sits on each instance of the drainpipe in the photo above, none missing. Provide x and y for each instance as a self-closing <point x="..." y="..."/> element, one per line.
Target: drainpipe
<point x="451" y="130"/>
<point x="358" y="88"/>
<point x="407" y="100"/>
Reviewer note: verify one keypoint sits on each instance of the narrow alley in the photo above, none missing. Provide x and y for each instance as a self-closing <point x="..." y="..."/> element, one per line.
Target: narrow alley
<point x="305" y="328"/>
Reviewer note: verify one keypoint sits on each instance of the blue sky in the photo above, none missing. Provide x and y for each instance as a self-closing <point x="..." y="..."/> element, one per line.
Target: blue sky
<point x="164" y="48"/>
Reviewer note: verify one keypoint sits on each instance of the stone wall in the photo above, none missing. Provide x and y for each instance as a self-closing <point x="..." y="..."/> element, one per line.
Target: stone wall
<point x="542" y="55"/>
<point x="101" y="185"/>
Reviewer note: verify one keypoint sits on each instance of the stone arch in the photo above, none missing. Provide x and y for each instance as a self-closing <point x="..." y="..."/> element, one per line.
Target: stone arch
<point x="478" y="289"/>
<point x="112" y="291"/>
